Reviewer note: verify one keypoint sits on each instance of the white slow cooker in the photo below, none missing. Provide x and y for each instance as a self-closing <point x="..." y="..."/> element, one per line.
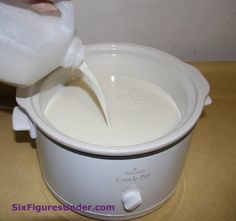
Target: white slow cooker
<point x="135" y="179"/>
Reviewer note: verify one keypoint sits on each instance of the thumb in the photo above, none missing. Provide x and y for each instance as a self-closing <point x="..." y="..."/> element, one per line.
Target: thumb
<point x="44" y="7"/>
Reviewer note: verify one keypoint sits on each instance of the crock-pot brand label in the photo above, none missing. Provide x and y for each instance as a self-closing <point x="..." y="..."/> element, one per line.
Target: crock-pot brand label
<point x="134" y="175"/>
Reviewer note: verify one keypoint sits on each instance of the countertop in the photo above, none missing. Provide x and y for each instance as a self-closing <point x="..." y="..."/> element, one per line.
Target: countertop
<point x="207" y="190"/>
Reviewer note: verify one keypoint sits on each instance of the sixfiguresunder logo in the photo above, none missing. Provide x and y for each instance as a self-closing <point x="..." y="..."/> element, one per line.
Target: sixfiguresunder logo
<point x="18" y="207"/>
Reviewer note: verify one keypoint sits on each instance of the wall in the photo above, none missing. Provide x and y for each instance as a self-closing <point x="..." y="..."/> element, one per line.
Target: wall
<point x="189" y="29"/>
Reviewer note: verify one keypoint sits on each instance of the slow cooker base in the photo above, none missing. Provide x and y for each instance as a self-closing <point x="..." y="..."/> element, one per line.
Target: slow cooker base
<point x="110" y="217"/>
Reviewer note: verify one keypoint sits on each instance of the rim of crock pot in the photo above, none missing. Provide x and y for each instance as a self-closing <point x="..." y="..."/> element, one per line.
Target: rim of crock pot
<point x="137" y="149"/>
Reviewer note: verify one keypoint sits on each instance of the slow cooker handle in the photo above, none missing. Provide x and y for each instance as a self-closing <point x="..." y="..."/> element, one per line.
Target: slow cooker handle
<point x="208" y="101"/>
<point x="21" y="122"/>
<point x="202" y="82"/>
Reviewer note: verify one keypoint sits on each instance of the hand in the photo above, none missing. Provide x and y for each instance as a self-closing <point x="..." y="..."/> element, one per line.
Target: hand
<point x="45" y="7"/>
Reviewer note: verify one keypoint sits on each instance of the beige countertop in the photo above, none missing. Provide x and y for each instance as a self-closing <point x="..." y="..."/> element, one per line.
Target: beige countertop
<point x="206" y="192"/>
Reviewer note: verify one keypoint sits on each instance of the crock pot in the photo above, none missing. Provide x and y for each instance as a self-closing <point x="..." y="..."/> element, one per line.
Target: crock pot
<point x="135" y="179"/>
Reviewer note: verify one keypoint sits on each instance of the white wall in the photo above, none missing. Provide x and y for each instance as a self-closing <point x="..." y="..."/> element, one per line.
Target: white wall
<point x="188" y="29"/>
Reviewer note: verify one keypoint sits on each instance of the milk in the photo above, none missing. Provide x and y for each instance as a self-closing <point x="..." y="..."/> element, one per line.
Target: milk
<point x="139" y="111"/>
<point x="97" y="90"/>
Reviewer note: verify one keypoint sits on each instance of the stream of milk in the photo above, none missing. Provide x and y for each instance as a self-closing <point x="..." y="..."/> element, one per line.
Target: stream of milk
<point x="97" y="90"/>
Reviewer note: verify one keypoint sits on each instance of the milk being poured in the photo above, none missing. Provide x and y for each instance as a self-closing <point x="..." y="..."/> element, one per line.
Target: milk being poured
<point x="38" y="45"/>
<point x="97" y="90"/>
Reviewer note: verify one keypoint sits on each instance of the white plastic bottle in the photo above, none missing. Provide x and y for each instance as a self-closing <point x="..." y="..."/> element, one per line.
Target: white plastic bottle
<point x="31" y="45"/>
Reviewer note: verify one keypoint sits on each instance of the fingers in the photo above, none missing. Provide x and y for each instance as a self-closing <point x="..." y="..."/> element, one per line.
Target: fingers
<point x="45" y="7"/>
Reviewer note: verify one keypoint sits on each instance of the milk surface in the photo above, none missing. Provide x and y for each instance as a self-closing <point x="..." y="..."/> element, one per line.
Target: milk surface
<point x="139" y="111"/>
